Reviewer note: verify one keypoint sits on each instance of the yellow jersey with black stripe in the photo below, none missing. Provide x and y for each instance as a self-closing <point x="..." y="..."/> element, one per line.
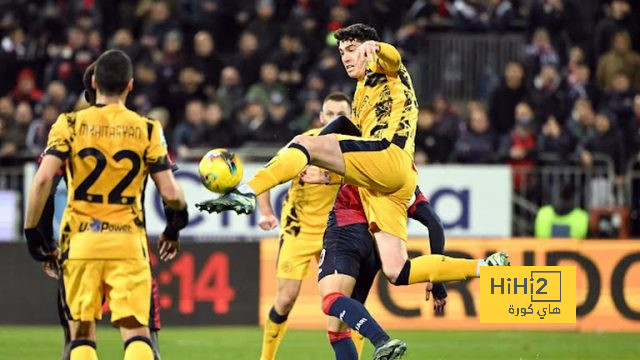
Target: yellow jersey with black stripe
<point x="109" y="151"/>
<point x="384" y="103"/>
<point x="306" y="208"/>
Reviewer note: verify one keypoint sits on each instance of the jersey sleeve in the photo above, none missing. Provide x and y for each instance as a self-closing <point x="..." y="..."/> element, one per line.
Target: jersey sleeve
<point x="388" y="59"/>
<point x="157" y="158"/>
<point x="59" y="141"/>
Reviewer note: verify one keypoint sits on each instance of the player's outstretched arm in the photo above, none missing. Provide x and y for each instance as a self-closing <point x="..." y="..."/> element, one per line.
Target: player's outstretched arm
<point x="385" y="57"/>
<point x="40" y="248"/>
<point x="267" y="220"/>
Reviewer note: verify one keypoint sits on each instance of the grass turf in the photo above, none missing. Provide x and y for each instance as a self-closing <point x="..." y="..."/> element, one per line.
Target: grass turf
<point x="239" y="343"/>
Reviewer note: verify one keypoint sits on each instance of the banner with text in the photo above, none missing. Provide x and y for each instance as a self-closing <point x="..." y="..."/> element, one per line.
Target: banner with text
<point x="471" y="201"/>
<point x="606" y="275"/>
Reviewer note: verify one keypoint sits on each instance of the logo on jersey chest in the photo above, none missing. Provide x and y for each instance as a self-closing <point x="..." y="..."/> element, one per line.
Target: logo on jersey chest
<point x="98" y="226"/>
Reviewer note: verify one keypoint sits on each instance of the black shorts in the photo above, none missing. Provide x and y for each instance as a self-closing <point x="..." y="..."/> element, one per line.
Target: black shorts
<point x="350" y="250"/>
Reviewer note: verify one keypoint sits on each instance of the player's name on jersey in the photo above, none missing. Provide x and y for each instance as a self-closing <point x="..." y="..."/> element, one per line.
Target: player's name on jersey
<point x="111" y="131"/>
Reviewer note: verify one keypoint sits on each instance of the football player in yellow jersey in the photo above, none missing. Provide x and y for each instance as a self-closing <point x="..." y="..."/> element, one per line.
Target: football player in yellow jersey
<point x="374" y="151"/>
<point x="303" y="220"/>
<point x="103" y="252"/>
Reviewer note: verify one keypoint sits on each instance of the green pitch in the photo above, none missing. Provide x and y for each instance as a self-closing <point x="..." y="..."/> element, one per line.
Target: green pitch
<point x="239" y="343"/>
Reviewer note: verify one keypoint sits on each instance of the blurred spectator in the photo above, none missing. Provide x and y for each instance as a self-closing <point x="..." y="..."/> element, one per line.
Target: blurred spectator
<point x="265" y="26"/>
<point x="217" y="131"/>
<point x="619" y="99"/>
<point x="251" y="121"/>
<point x="58" y="96"/>
<point x="12" y="51"/>
<point x="188" y="134"/>
<point x="505" y="97"/>
<point x="477" y="144"/>
<point x="291" y="59"/>
<point x="619" y="59"/>
<point x="549" y="95"/>
<point x="446" y="123"/>
<point x="269" y="88"/>
<point x="580" y="125"/>
<point x="146" y="91"/>
<point x="470" y="15"/>
<point x="636" y="124"/>
<point x="501" y="14"/>
<point x="554" y="144"/>
<point x="581" y="86"/>
<point x="16" y="130"/>
<point x="309" y="119"/>
<point x="26" y="89"/>
<point x="206" y="60"/>
<point x="247" y="60"/>
<point x="38" y="132"/>
<point x="277" y="127"/>
<point x="619" y="17"/>
<point x="7" y="108"/>
<point x="162" y="115"/>
<point x="519" y="147"/>
<point x="607" y="140"/>
<point x="315" y="87"/>
<point x="432" y="146"/>
<point x="123" y="40"/>
<point x="218" y="18"/>
<point x="229" y="93"/>
<point x="157" y="25"/>
<point x="563" y="218"/>
<point x="551" y="16"/>
<point x="171" y="59"/>
<point x="540" y="53"/>
<point x="190" y="86"/>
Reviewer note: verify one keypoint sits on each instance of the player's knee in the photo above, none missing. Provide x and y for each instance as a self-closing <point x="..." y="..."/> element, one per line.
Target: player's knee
<point x="83" y="330"/>
<point x="391" y="272"/>
<point x="328" y="300"/>
<point x="285" y="301"/>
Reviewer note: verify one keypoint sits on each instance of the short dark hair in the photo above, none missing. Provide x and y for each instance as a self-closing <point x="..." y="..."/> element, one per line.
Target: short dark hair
<point x="357" y="32"/>
<point x="89" y="91"/>
<point x="113" y="72"/>
<point x="337" y="96"/>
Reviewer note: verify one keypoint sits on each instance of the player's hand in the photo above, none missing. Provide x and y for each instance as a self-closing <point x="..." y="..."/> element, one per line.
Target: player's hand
<point x="427" y="291"/>
<point x="39" y="248"/>
<point x="268" y="222"/>
<point x="314" y="175"/>
<point x="51" y="267"/>
<point x="369" y="50"/>
<point x="439" y="291"/>
<point x="168" y="248"/>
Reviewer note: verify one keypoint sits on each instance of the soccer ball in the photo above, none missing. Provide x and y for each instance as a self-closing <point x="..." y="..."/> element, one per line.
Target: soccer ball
<point x="220" y="170"/>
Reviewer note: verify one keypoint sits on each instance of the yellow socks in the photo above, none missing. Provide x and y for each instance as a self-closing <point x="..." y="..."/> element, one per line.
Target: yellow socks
<point x="286" y="165"/>
<point x="358" y="341"/>
<point x="138" y="348"/>
<point x="440" y="268"/>
<point x="83" y="350"/>
<point x="274" y="329"/>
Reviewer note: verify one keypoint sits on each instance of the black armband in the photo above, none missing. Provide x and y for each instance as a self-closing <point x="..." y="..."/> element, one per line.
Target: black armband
<point x="341" y="125"/>
<point x="176" y="221"/>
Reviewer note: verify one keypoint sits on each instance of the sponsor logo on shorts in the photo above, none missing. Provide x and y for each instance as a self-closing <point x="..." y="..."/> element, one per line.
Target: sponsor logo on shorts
<point x="342" y="314"/>
<point x="98" y="226"/>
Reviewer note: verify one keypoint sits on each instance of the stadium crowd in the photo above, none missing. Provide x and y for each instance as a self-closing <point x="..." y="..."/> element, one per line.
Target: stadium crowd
<point x="224" y="73"/>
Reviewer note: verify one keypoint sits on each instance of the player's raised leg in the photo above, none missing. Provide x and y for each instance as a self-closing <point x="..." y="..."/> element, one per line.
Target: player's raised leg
<point x="323" y="151"/>
<point x="427" y="268"/>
